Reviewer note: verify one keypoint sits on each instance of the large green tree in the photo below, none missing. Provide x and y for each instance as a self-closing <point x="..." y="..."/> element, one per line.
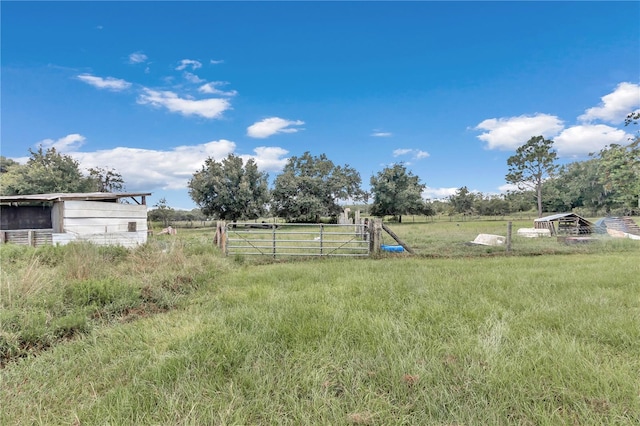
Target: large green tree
<point x="230" y="189"/>
<point x="45" y="172"/>
<point x="532" y="163"/>
<point x="310" y="187"/>
<point x="396" y="191"/>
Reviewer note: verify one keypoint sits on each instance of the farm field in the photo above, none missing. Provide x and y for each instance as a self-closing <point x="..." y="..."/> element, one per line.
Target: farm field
<point x="549" y="334"/>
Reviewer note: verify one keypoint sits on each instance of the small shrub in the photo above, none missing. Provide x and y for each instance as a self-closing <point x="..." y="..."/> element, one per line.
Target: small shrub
<point x="70" y="325"/>
<point x="14" y="253"/>
<point x="51" y="255"/>
<point x="33" y="333"/>
<point x="100" y="292"/>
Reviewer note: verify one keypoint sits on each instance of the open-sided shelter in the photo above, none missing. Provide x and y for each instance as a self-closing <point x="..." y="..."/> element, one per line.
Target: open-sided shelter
<point x="102" y="218"/>
<point x="564" y="224"/>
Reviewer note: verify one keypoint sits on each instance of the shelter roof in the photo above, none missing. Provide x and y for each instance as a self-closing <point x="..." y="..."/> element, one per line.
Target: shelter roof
<point x="558" y="216"/>
<point x="79" y="196"/>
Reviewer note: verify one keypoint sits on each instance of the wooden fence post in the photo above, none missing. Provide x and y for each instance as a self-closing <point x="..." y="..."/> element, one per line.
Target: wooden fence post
<point x="375" y="231"/>
<point x="509" y="227"/>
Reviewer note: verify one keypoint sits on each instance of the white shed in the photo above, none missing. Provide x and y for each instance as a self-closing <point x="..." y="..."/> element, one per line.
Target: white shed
<point x="102" y="218"/>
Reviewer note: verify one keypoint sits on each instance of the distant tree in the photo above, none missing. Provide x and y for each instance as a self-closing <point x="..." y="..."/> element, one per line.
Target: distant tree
<point x="230" y="189"/>
<point x="462" y="201"/>
<point x="45" y="172"/>
<point x="162" y="212"/>
<point x="106" y="180"/>
<point x="5" y="163"/>
<point x="619" y="173"/>
<point x="520" y="201"/>
<point x="491" y="205"/>
<point x="397" y="191"/>
<point x="310" y="187"/>
<point x="532" y="163"/>
<point x="574" y="185"/>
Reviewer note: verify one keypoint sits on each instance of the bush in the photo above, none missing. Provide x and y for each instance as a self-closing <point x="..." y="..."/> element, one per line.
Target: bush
<point x="101" y="292"/>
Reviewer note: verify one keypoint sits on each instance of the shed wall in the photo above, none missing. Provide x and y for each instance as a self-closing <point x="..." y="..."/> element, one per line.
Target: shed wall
<point x="103" y="223"/>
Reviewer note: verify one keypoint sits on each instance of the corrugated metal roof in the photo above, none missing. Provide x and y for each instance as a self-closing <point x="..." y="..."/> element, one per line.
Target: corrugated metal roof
<point x="556" y="216"/>
<point x="80" y="196"/>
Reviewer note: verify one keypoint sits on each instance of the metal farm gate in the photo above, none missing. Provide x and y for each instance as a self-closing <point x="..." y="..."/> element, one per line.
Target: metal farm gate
<point x="296" y="239"/>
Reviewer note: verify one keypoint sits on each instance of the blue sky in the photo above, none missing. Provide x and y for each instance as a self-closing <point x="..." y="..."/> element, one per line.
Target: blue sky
<point x="450" y="89"/>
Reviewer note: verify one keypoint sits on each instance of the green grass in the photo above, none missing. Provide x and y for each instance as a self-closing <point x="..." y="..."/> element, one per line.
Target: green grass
<point x="443" y="340"/>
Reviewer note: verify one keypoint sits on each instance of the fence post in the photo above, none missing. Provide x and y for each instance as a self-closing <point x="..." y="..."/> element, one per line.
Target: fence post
<point x="509" y="227"/>
<point x="375" y="228"/>
<point x="274" y="241"/>
<point x="321" y="238"/>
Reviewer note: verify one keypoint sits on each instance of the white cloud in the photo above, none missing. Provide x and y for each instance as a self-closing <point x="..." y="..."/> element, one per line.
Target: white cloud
<point x="216" y="62"/>
<point x="415" y="154"/>
<point x="148" y="169"/>
<point x="511" y="132"/>
<point x="137" y="58"/>
<point x="616" y="105"/>
<point x="192" y="78"/>
<point x="171" y="169"/>
<point x="268" y="159"/>
<point x="581" y="140"/>
<point x="401" y="151"/>
<point x="438" y="193"/>
<point x="188" y="63"/>
<point x="271" y="126"/>
<point x="210" y="88"/>
<point x="207" y="108"/>
<point x="64" y="144"/>
<point x="378" y="134"/>
<point x="108" y="83"/>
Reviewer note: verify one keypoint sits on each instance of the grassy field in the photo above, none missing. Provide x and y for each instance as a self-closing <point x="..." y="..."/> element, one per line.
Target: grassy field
<point x="174" y="333"/>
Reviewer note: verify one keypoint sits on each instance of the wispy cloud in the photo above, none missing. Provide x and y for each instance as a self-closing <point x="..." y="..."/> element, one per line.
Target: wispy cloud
<point x="185" y="63"/>
<point x="137" y="58"/>
<point x="415" y="154"/>
<point x="271" y="126"/>
<point x="212" y="89"/>
<point x="400" y="152"/>
<point x="192" y="78"/>
<point x="616" y="105"/>
<point x="216" y="62"/>
<point x="207" y="108"/>
<point x="379" y="134"/>
<point x="509" y="133"/>
<point x="108" y="83"/>
<point x="64" y="144"/>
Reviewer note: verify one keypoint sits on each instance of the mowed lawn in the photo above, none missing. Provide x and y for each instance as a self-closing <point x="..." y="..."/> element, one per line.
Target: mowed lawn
<point x="526" y="340"/>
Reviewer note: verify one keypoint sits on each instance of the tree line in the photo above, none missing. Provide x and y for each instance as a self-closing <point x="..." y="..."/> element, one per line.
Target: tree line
<point x="311" y="188"/>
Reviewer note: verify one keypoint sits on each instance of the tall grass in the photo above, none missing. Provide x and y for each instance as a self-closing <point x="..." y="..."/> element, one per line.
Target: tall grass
<point x="53" y="293"/>
<point x="455" y="340"/>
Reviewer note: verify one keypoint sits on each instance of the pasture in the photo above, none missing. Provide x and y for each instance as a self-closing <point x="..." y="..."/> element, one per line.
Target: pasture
<point x="175" y="333"/>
